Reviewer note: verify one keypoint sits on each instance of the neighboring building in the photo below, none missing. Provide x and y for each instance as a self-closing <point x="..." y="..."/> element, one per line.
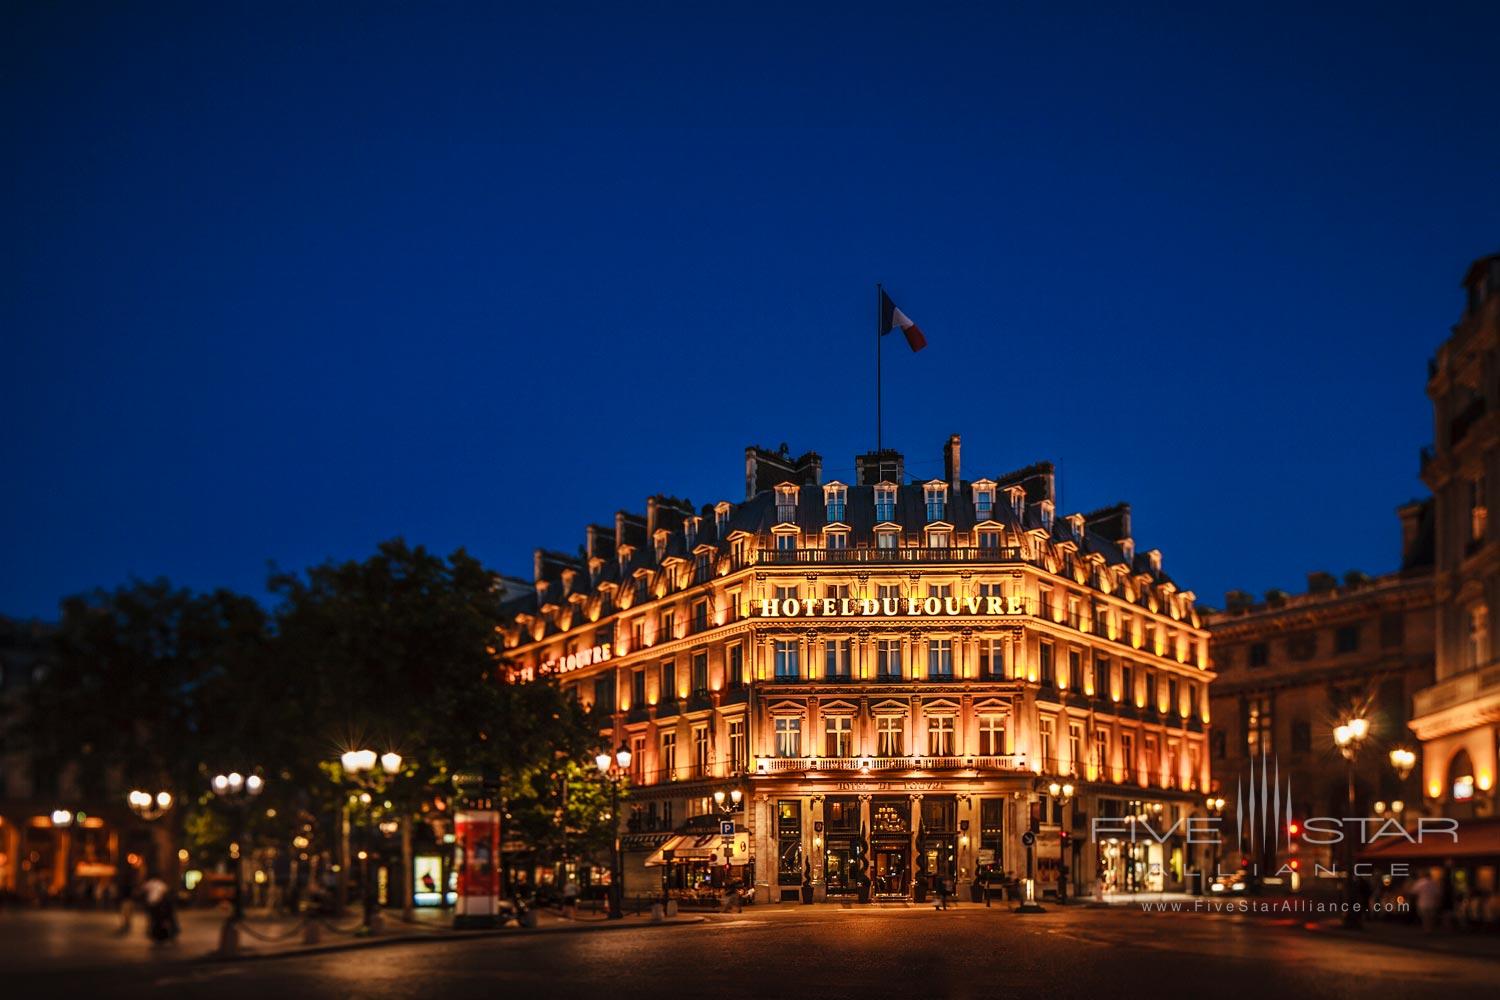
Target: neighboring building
<point x="891" y="672"/>
<point x="1291" y="667"/>
<point x="1458" y="718"/>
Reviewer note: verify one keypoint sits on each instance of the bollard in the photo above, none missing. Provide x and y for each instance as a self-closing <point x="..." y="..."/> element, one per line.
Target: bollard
<point x="656" y="913"/>
<point x="229" y="939"/>
<point x="671" y="908"/>
<point x="311" y="932"/>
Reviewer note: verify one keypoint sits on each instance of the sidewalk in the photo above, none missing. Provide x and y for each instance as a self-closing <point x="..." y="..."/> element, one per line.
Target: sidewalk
<point x="45" y="937"/>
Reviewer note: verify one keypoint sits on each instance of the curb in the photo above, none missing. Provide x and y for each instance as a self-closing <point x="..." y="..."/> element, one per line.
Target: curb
<point x="434" y="936"/>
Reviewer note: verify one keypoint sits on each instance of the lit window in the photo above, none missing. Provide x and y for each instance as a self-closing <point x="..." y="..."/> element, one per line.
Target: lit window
<point x="940" y="659"/>
<point x="989" y="540"/>
<point x="788" y="737"/>
<point x="885" y="503"/>
<point x="834" y="497"/>
<point x="888" y="659"/>
<point x="885" y="539"/>
<point x="984" y="503"/>
<point x="838" y="540"/>
<point x="991" y="735"/>
<point x="786" y="505"/>
<point x="940" y="736"/>
<point x="888" y="740"/>
<point x="786" y="542"/>
<point x="838" y="736"/>
<point x="936" y="496"/>
<point x="787" y="668"/>
<point x="837" y="653"/>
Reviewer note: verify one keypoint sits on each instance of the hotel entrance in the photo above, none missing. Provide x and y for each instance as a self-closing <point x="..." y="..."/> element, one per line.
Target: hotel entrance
<point x="892" y="875"/>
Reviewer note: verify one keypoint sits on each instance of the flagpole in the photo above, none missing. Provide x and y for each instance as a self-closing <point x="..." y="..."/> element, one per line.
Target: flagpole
<point x="879" y="442"/>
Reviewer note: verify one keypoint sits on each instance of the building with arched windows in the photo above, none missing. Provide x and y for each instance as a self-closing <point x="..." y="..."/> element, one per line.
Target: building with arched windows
<point x="1458" y="717"/>
<point x="891" y="673"/>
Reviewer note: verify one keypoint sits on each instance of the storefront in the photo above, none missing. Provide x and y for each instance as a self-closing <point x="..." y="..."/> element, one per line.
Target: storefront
<point x="698" y="862"/>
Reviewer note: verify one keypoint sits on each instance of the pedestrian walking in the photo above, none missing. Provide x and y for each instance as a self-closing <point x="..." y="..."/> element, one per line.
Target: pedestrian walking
<point x="1429" y="894"/>
<point x="942" y="893"/>
<point x="161" y="913"/>
<point x="570" y="899"/>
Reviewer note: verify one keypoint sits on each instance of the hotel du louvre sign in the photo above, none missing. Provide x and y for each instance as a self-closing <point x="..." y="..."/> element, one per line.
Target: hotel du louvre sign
<point x="889" y="607"/>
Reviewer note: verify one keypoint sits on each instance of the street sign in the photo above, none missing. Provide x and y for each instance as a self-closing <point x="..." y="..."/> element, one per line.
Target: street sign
<point x="726" y="828"/>
<point x="1028" y="838"/>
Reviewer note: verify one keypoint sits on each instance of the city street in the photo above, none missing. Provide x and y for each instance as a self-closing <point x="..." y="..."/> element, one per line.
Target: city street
<point x="831" y="952"/>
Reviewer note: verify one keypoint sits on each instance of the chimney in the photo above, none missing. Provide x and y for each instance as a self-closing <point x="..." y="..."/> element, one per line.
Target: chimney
<point x="1321" y="582"/>
<point x="1238" y="601"/>
<point x="950" y="463"/>
<point x="879" y="467"/>
<point x="764" y="469"/>
<point x="598" y="542"/>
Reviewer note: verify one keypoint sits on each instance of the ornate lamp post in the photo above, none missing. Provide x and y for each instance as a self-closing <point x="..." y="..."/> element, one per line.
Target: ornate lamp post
<point x="148" y="806"/>
<point x="1350" y="737"/>
<point x="614" y="768"/>
<point x="1064" y="794"/>
<point x="359" y="767"/>
<point x="236" y="791"/>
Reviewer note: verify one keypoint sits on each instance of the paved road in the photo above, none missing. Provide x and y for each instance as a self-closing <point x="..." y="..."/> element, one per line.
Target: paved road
<point x="823" y="953"/>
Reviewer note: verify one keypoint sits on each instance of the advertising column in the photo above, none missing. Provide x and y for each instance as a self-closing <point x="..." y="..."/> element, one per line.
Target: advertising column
<point x="477" y="846"/>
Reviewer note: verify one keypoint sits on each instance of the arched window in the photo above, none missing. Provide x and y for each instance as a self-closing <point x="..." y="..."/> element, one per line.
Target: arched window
<point x="1461" y="777"/>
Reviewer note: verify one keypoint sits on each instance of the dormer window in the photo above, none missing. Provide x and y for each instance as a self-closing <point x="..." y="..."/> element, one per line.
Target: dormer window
<point x="984" y="502"/>
<point x="690" y="531"/>
<point x="786" y="505"/>
<point x="661" y="545"/>
<point x="1017" y="500"/>
<point x="1047" y="509"/>
<point x="887" y="539"/>
<point x="837" y="540"/>
<point x="937" y="497"/>
<point x="885" y="502"/>
<point x="834" y="497"/>
<point x="721" y="518"/>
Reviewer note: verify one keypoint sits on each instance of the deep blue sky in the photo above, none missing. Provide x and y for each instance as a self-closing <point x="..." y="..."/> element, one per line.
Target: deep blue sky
<point x="277" y="284"/>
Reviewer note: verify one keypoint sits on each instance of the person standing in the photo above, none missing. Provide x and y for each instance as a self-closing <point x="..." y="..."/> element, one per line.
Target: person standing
<point x="161" y="916"/>
<point x="570" y="898"/>
<point x="1429" y="894"/>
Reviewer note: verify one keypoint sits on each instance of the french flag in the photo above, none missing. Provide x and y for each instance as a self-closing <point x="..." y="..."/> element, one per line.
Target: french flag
<point x="891" y="318"/>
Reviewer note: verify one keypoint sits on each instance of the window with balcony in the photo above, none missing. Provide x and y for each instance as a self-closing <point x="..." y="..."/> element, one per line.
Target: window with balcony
<point x="1046" y="728"/>
<point x="837" y="654"/>
<point x="1127" y="683"/>
<point x="638" y="688"/>
<point x="1075" y="747"/>
<point x="887" y="539"/>
<point x="786" y="593"/>
<point x="940" y="659"/>
<point x="721" y="520"/>
<point x="1127" y="755"/>
<point x="1045" y="672"/>
<point x="638" y="760"/>
<point x="838" y="736"/>
<point x="667" y="689"/>
<point x="984" y="503"/>
<point x="988" y="540"/>
<point x="935" y="496"/>
<point x="690" y="533"/>
<point x="703" y="566"/>
<point x="700" y="616"/>
<point x="939" y="539"/>
<point x="1101" y="753"/>
<point x="786" y="542"/>
<point x="940" y="590"/>
<point x="888" y="659"/>
<point x="885" y="503"/>
<point x="604" y="692"/>
<point x="700" y="750"/>
<point x="667" y="627"/>
<point x="1101" y="677"/>
<point x="888" y="741"/>
<point x="786" y="505"/>
<point x="736" y="657"/>
<point x="787" y="667"/>
<point x="700" y="673"/>
<point x="836" y="591"/>
<point x="739" y="746"/>
<point x="666" y="759"/>
<point x="991" y="659"/>
<point x="788" y="736"/>
<point x="940" y="736"/>
<point x="888" y="591"/>
<point x="836" y="540"/>
<point x="834" y="497"/>
<point x="991" y="735"/>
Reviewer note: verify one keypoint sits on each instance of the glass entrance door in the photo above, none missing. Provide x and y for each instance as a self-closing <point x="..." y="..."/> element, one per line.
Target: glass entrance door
<point x="892" y="873"/>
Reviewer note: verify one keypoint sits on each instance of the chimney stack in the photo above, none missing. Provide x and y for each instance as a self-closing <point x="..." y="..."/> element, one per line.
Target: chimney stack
<point x="950" y="463"/>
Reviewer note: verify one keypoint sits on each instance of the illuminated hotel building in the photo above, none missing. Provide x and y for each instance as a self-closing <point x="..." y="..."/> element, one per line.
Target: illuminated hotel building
<point x="1457" y="719"/>
<point x="891" y="672"/>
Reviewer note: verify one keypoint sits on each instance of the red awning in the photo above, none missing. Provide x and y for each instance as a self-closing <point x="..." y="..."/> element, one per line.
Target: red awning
<point x="1477" y="838"/>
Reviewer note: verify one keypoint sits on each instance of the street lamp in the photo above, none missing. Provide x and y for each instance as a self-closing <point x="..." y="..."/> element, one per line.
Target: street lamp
<point x="1063" y="793"/>
<point x="359" y="766"/>
<point x="613" y="768"/>
<point x="1215" y="806"/>
<point x="148" y="806"/>
<point x="236" y="791"/>
<point x="1349" y="737"/>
